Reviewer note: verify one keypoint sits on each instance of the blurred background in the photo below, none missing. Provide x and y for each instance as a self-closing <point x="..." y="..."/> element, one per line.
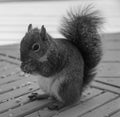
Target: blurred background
<point x="15" y="15"/>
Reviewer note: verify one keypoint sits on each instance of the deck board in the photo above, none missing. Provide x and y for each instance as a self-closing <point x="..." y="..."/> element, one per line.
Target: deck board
<point x="117" y="114"/>
<point x="109" y="69"/>
<point x="104" y="110"/>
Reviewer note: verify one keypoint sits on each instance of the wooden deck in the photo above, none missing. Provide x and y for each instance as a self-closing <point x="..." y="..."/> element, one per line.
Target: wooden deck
<point x="102" y="99"/>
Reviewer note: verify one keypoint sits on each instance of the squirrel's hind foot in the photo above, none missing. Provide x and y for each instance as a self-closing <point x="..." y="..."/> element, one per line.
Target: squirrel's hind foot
<point x="56" y="105"/>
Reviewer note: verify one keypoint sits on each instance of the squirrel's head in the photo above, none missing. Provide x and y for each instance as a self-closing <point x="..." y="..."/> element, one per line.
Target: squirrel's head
<point x="33" y="48"/>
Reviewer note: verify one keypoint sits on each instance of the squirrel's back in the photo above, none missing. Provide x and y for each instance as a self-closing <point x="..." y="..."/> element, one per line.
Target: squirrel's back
<point x="81" y="29"/>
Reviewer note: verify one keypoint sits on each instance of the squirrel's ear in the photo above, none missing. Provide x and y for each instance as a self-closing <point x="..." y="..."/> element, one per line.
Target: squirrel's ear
<point x="43" y="32"/>
<point x="29" y="27"/>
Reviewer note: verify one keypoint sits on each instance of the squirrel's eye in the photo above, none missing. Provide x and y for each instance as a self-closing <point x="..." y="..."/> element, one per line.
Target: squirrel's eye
<point x="36" y="47"/>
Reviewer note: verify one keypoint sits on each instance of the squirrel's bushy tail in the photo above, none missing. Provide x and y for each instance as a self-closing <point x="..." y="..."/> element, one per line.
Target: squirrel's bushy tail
<point x="81" y="28"/>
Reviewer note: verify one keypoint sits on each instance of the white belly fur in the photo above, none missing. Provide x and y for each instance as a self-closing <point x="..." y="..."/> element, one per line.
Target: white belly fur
<point x="50" y="85"/>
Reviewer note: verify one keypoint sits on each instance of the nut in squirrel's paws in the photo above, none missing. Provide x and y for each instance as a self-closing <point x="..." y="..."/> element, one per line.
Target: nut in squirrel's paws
<point x="36" y="96"/>
<point x="56" y="105"/>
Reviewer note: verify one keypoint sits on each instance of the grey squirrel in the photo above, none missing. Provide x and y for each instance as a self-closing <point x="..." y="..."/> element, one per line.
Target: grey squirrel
<point x="64" y="67"/>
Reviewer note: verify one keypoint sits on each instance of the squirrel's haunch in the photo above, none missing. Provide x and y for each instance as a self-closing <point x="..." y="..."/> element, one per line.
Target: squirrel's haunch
<point x="81" y="28"/>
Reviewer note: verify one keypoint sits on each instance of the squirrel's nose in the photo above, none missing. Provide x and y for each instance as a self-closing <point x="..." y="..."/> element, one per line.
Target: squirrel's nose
<point x="24" y="67"/>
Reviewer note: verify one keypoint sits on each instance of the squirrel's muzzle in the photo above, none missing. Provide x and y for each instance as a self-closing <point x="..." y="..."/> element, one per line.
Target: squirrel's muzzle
<point x="27" y="67"/>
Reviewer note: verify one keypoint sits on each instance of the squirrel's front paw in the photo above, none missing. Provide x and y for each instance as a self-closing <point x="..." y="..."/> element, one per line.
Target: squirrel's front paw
<point x="33" y="96"/>
<point x="36" y="96"/>
<point x="56" y="105"/>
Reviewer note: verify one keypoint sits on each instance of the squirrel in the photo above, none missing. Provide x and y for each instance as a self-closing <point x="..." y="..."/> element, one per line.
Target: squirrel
<point x="64" y="66"/>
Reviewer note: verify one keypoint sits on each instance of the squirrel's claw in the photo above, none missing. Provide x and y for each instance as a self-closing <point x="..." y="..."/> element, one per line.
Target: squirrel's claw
<point x="33" y="96"/>
<point x="36" y="96"/>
